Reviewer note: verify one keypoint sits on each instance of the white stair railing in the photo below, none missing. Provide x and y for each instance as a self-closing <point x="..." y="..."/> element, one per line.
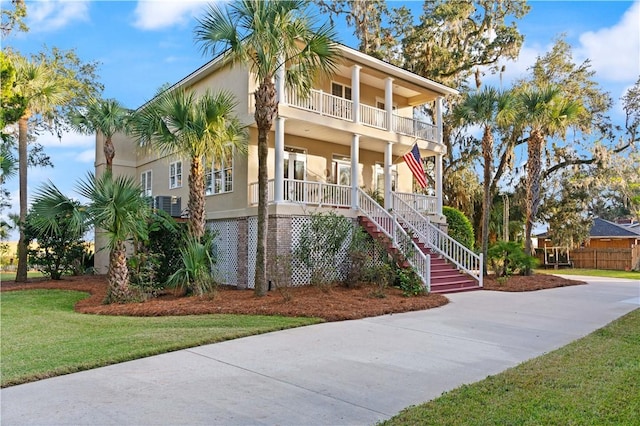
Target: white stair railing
<point x="432" y="237"/>
<point x="400" y="239"/>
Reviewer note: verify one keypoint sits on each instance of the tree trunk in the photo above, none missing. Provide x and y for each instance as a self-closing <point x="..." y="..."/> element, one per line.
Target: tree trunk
<point x="534" y="166"/>
<point x="487" y="152"/>
<point x="266" y="110"/>
<point x="196" y="198"/>
<point x="23" y="128"/>
<point x="118" y="276"/>
<point x="109" y="153"/>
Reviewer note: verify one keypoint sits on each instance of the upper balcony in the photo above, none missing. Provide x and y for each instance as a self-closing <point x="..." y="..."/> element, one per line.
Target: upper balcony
<point x="326" y="104"/>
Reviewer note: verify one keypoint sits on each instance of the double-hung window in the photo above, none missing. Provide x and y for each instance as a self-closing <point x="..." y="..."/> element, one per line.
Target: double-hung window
<point x="340" y="90"/>
<point x="145" y="183"/>
<point x="219" y="175"/>
<point x="175" y="175"/>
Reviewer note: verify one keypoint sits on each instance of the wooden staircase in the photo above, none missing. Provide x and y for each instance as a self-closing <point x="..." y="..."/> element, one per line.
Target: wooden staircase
<point x="445" y="278"/>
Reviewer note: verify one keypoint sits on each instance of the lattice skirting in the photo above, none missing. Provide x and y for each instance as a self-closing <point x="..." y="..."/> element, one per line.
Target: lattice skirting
<point x="233" y="251"/>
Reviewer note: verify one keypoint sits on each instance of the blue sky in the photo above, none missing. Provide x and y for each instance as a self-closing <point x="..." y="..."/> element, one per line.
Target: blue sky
<point x="144" y="44"/>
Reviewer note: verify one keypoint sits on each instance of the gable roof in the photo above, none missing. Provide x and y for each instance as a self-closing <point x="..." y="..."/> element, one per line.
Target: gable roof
<point x="604" y="228"/>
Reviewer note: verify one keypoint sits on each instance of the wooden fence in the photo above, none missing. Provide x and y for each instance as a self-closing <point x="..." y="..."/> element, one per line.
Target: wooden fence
<point x="603" y="258"/>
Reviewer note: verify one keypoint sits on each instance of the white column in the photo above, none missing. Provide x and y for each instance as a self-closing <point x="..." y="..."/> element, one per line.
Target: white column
<point x="355" y="147"/>
<point x="278" y="184"/>
<point x="387" y="175"/>
<point x="388" y="101"/>
<point x="439" y="119"/>
<point x="355" y="92"/>
<point x="280" y="79"/>
<point x="439" y="183"/>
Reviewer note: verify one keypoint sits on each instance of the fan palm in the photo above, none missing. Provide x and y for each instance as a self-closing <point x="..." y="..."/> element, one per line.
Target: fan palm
<point x="41" y="91"/>
<point x="120" y="212"/>
<point x="266" y="35"/>
<point x="204" y="128"/>
<point x="487" y="108"/>
<point x="543" y="111"/>
<point x="104" y="116"/>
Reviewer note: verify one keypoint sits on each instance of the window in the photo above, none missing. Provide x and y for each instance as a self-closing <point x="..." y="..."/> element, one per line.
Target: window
<point x="340" y="90"/>
<point x="175" y="175"/>
<point x="342" y="170"/>
<point x="379" y="169"/>
<point x="145" y="183"/>
<point x="219" y="176"/>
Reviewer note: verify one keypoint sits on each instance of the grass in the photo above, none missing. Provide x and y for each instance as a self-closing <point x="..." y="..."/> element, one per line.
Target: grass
<point x="593" y="380"/>
<point x="11" y="276"/>
<point x="632" y="275"/>
<point x="43" y="337"/>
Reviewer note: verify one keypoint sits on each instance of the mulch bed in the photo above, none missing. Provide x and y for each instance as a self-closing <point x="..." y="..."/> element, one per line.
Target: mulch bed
<point x="332" y="304"/>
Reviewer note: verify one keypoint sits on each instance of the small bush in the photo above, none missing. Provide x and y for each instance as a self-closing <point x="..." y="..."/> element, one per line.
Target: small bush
<point x="460" y="228"/>
<point x="195" y="276"/>
<point x="409" y="282"/>
<point x="508" y="257"/>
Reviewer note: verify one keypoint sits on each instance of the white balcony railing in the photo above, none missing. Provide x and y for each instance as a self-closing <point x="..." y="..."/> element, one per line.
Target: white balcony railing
<point x="374" y="117"/>
<point x="306" y="192"/>
<point x="425" y="204"/>
<point x="323" y="103"/>
<point x="410" y="127"/>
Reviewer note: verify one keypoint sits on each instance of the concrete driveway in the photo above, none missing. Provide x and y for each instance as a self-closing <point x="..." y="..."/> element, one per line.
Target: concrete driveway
<point x="352" y="372"/>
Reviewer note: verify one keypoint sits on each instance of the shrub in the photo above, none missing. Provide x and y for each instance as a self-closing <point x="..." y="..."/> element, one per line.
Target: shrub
<point x="508" y="257"/>
<point x="60" y="249"/>
<point x="460" y="228"/>
<point x="195" y="275"/>
<point x="409" y="282"/>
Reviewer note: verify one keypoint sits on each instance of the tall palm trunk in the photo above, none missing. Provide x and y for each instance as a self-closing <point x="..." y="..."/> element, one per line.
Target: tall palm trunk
<point x="23" y="127"/>
<point x="534" y="166"/>
<point x="118" y="275"/>
<point x="196" y="198"/>
<point x="487" y="152"/>
<point x="109" y="153"/>
<point x="266" y="110"/>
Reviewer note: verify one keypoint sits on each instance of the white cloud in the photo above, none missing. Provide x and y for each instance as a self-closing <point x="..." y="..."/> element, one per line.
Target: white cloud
<point x="87" y="156"/>
<point x="68" y="140"/>
<point x="51" y="15"/>
<point x="615" y="51"/>
<point x="159" y="14"/>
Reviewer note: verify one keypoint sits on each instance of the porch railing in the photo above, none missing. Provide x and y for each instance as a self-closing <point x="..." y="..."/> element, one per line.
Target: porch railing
<point x="463" y="258"/>
<point x="306" y="192"/>
<point x="322" y="103"/>
<point x="411" y="127"/>
<point x="424" y="204"/>
<point x="374" y="117"/>
<point x="334" y="106"/>
<point x="391" y="228"/>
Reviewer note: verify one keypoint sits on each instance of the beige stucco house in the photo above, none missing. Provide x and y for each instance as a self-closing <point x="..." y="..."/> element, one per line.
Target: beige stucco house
<point x="325" y="152"/>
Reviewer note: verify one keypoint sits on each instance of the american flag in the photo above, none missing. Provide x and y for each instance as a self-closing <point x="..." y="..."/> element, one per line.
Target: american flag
<point x="413" y="160"/>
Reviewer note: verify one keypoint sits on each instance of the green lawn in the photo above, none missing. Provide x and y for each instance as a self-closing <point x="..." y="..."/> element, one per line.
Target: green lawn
<point x="42" y="336"/>
<point x="592" y="381"/>
<point x="632" y="275"/>
<point x="11" y="276"/>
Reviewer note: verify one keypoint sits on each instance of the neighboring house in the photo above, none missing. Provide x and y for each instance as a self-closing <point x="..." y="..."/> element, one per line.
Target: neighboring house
<point x="609" y="246"/>
<point x="325" y="152"/>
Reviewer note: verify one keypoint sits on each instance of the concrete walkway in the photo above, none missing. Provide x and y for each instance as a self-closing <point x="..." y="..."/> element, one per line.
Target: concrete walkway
<point x="352" y="372"/>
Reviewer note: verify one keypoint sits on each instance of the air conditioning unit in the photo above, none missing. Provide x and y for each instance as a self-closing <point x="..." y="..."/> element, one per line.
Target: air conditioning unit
<point x="169" y="204"/>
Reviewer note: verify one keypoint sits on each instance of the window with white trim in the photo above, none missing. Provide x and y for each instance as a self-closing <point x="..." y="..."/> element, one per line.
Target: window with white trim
<point x="219" y="176"/>
<point x="340" y="90"/>
<point x="175" y="175"/>
<point x="145" y="183"/>
<point x="342" y="169"/>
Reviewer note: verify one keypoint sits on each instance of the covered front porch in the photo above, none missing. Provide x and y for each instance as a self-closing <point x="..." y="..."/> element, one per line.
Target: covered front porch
<point x="321" y="194"/>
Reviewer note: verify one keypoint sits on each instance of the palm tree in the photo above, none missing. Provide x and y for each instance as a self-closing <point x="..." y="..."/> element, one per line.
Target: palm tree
<point x="118" y="209"/>
<point x="488" y="108"/>
<point x="41" y="91"/>
<point x="544" y="111"/>
<point x="105" y="116"/>
<point x="204" y="128"/>
<point x="266" y="35"/>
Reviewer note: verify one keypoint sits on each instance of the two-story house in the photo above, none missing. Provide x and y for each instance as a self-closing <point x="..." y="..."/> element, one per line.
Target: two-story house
<point x="326" y="151"/>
